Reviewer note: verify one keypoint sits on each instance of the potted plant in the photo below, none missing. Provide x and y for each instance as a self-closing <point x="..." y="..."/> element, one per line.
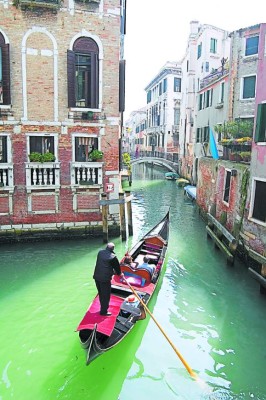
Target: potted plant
<point x="235" y="156"/>
<point x="39" y="157"/>
<point x="48" y="157"/>
<point x="246" y="155"/>
<point x="96" y="155"/>
<point x="35" y="157"/>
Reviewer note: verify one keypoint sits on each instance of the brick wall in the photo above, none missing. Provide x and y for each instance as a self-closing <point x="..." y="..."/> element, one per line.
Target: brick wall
<point x="38" y="57"/>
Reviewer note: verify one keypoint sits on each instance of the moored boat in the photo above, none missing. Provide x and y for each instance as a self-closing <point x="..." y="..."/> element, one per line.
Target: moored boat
<point x="98" y="333"/>
<point x="171" y="176"/>
<point x="191" y="192"/>
<point x="181" y="182"/>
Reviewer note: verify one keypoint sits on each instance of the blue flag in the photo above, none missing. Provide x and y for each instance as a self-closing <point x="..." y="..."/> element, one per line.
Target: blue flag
<point x="213" y="146"/>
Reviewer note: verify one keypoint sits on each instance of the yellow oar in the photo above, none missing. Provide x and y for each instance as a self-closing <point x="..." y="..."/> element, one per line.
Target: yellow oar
<point x="190" y="371"/>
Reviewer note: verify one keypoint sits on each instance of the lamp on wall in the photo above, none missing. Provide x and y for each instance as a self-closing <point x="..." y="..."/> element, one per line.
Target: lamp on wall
<point x="233" y="172"/>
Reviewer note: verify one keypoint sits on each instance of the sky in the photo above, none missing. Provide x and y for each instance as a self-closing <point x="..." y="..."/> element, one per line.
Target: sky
<point x="157" y="31"/>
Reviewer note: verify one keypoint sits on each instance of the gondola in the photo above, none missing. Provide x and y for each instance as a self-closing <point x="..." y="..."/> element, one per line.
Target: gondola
<point x="97" y="333"/>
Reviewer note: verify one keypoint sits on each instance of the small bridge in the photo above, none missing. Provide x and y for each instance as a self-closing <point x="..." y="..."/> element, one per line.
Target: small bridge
<point x="163" y="162"/>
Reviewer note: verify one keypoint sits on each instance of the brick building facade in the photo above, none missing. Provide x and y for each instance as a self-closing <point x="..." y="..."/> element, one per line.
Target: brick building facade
<point x="61" y="96"/>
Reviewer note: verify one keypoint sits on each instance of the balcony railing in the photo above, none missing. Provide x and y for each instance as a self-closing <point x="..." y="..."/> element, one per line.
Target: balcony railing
<point x="42" y="175"/>
<point x="6" y="176"/>
<point x="54" y="4"/>
<point x="214" y="76"/>
<point x="84" y="174"/>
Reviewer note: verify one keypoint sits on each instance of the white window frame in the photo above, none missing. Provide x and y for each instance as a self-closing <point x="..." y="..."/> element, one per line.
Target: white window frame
<point x="244" y="47"/>
<point x="84" y="135"/>
<point x="222" y="84"/>
<point x="8" y="144"/>
<point x="242" y="87"/>
<point x="252" y="198"/>
<point x="225" y="175"/>
<point x="215" y="41"/>
<point x="54" y="135"/>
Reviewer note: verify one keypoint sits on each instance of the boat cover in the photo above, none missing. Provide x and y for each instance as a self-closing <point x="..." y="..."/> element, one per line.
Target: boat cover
<point x="105" y="324"/>
<point x="191" y="190"/>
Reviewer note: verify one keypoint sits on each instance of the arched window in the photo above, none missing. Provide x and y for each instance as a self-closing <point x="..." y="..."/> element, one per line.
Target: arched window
<point x="4" y="72"/>
<point x="83" y="74"/>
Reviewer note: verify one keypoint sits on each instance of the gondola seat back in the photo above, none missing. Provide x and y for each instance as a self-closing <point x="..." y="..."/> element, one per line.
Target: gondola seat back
<point x="138" y="273"/>
<point x="155" y="242"/>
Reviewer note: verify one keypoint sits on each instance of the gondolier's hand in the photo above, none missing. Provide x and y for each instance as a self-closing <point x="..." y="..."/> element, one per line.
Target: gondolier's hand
<point x="123" y="279"/>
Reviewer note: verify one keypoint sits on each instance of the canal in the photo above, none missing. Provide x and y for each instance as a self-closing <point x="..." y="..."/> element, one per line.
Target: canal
<point x="213" y="314"/>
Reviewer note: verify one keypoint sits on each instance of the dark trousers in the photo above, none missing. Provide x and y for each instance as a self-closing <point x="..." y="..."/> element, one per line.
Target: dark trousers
<point x="104" y="291"/>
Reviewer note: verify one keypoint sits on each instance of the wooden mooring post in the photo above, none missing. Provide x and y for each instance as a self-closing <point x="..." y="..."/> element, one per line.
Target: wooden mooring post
<point x="123" y="230"/>
<point x="105" y="218"/>
<point x="104" y="202"/>
<point x="129" y="215"/>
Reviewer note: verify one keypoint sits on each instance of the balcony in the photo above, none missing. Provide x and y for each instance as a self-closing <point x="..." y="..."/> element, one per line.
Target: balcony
<point x="6" y="176"/>
<point x="86" y="174"/>
<point x="52" y="4"/>
<point x="42" y="175"/>
<point x="86" y="116"/>
<point x="213" y="77"/>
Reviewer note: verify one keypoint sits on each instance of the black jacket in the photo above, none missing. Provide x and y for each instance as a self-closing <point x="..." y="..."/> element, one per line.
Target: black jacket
<point x="106" y="263"/>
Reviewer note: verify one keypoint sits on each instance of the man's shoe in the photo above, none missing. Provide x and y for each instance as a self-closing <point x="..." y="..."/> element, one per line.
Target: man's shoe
<point x="108" y="314"/>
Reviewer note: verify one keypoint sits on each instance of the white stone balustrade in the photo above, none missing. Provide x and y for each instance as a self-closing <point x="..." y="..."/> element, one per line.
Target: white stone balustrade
<point x="43" y="174"/>
<point x="6" y="175"/>
<point x="89" y="173"/>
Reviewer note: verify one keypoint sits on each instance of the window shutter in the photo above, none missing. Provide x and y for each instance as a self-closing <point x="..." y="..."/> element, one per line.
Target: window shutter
<point x="122" y="69"/>
<point x="258" y="123"/>
<point x="71" y="78"/>
<point x="3" y="159"/>
<point x="6" y="74"/>
<point x="94" y="89"/>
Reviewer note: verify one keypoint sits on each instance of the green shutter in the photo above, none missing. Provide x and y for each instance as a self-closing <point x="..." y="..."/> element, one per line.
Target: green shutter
<point x="260" y="135"/>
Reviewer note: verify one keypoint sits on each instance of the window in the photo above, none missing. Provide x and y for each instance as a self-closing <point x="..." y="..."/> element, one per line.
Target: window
<point x="259" y="209"/>
<point x="208" y="98"/>
<point x="160" y="88"/>
<point x="206" y="134"/>
<point x="148" y="96"/>
<point x="260" y="133"/>
<point x="252" y="45"/>
<point x="176" y="116"/>
<point x="249" y="84"/>
<point x="213" y="46"/>
<point x="164" y="85"/>
<point x="207" y="66"/>
<point x="83" y="74"/>
<point x="3" y="149"/>
<point x="198" y="135"/>
<point x="41" y="144"/>
<point x="222" y="92"/>
<point x="83" y="147"/>
<point x="4" y="72"/>
<point x="199" y="50"/>
<point x="177" y="84"/>
<point x="227" y="186"/>
<point x="200" y="102"/>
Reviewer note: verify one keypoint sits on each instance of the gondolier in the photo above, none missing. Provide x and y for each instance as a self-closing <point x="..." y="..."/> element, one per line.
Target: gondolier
<point x="106" y="264"/>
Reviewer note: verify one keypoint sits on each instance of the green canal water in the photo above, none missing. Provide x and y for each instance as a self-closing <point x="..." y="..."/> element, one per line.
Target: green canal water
<point x="212" y="313"/>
